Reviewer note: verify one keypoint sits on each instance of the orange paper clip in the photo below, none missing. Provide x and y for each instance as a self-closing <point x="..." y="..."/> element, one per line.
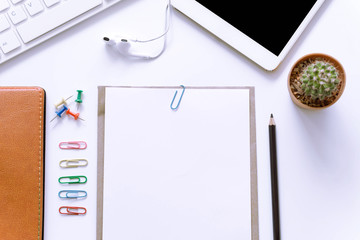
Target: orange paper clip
<point x="72" y="210"/>
<point x="73" y="145"/>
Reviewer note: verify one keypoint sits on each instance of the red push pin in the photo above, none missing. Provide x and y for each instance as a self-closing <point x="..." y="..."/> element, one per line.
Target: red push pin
<point x="75" y="115"/>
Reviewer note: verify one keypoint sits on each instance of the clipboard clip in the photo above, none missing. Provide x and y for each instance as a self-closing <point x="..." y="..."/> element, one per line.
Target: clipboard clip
<point x="172" y="102"/>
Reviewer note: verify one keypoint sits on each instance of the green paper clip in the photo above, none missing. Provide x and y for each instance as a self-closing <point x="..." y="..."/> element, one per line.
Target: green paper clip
<point x="73" y="180"/>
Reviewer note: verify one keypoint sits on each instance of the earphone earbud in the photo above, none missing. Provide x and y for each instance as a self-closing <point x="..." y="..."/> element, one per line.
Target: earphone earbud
<point x="123" y="46"/>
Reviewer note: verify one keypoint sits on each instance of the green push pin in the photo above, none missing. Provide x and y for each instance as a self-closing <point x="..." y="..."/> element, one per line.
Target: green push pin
<point x="78" y="99"/>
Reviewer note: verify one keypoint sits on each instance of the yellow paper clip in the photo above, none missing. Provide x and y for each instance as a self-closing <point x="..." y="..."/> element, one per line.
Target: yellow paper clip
<point x="73" y="163"/>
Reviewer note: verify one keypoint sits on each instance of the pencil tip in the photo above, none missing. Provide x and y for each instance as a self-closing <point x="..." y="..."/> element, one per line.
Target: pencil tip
<point x="272" y="121"/>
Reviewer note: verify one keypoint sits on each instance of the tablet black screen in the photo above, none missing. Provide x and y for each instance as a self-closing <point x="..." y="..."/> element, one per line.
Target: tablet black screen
<point x="269" y="23"/>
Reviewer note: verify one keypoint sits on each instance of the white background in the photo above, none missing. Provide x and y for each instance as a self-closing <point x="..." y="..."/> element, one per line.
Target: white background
<point x="318" y="152"/>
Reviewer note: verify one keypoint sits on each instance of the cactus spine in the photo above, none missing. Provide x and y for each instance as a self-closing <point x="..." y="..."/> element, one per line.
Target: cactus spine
<point x="319" y="80"/>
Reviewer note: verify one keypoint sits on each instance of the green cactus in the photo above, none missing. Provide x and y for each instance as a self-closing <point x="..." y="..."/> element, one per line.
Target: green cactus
<point x="319" y="80"/>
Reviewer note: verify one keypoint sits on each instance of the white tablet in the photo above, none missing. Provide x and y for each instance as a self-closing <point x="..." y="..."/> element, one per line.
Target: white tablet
<point x="264" y="31"/>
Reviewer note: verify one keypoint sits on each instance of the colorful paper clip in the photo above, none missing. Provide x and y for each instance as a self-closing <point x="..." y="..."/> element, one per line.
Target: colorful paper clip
<point x="172" y="102"/>
<point x="73" y="145"/>
<point x="72" y="194"/>
<point x="73" y="163"/>
<point x="72" y="210"/>
<point x="73" y="180"/>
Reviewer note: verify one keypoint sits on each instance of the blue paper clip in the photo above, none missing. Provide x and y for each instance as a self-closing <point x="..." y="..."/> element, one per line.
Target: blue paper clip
<point x="72" y="194"/>
<point x="172" y="102"/>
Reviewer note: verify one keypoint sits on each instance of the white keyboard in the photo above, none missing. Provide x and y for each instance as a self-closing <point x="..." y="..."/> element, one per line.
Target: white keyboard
<point x="26" y="23"/>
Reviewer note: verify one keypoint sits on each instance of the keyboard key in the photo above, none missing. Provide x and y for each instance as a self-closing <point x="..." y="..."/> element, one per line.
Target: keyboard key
<point x="4" y="4"/>
<point x="17" y="14"/>
<point x="49" y="3"/>
<point x="33" y="7"/>
<point x="4" y="23"/>
<point x="54" y="17"/>
<point x="8" y="41"/>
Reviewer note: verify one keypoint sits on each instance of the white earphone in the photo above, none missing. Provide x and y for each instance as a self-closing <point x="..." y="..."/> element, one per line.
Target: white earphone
<point x="124" y="45"/>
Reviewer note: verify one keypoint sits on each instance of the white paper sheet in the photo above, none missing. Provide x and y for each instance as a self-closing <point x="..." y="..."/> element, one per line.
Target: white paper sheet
<point x="176" y="175"/>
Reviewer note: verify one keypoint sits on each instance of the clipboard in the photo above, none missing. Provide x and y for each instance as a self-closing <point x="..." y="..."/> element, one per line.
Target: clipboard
<point x="180" y="191"/>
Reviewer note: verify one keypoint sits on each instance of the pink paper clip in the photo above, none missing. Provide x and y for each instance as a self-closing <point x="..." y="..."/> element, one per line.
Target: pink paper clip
<point x="73" y="145"/>
<point x="72" y="210"/>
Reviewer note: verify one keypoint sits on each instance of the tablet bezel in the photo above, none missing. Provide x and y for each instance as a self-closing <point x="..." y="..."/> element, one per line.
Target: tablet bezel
<point x="236" y="38"/>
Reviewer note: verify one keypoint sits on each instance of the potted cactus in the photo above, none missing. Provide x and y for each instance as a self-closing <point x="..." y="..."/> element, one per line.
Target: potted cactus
<point x="316" y="81"/>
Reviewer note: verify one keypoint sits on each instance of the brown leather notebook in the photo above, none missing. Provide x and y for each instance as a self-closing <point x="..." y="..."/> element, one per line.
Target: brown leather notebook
<point x="22" y="114"/>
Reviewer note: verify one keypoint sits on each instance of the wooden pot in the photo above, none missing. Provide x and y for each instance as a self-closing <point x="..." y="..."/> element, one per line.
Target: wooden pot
<point x="295" y="72"/>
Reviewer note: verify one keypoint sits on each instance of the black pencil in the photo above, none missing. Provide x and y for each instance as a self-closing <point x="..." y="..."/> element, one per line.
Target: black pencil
<point x="274" y="179"/>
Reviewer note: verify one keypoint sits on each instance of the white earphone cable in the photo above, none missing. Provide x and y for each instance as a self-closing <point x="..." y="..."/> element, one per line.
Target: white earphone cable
<point x="167" y="25"/>
<point x="124" y="43"/>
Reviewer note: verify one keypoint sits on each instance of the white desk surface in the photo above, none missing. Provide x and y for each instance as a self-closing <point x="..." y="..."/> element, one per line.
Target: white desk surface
<point x="318" y="151"/>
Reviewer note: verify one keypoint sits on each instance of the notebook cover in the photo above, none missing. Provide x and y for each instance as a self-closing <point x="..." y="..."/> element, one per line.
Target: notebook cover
<point x="22" y="162"/>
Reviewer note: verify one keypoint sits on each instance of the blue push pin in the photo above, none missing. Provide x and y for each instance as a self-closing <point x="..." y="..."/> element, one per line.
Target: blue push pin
<point x="60" y="112"/>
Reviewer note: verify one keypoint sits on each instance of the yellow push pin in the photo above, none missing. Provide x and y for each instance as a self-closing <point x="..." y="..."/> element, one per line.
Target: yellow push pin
<point x="62" y="102"/>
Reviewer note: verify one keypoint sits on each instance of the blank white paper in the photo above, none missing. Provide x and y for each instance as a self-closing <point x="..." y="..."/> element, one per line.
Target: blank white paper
<point x="176" y="175"/>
